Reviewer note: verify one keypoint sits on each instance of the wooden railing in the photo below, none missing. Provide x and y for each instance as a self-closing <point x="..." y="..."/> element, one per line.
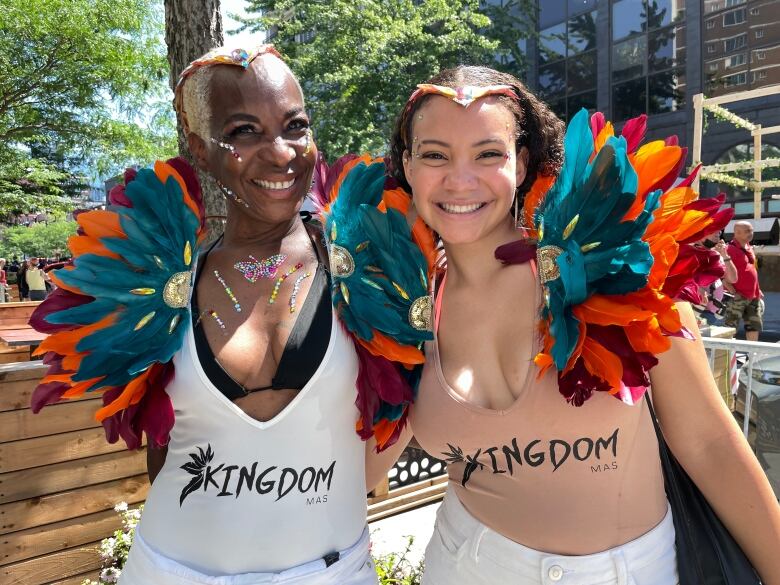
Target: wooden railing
<point x="59" y="482"/>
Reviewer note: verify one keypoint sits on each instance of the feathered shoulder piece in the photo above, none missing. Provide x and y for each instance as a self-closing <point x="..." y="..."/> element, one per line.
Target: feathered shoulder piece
<point x="381" y="268"/>
<point x="614" y="242"/>
<point x="122" y="306"/>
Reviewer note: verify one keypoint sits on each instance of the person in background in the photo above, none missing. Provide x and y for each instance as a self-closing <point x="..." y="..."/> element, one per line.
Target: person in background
<point x="713" y="302"/>
<point x="3" y="281"/>
<point x="21" y="282"/>
<point x="747" y="302"/>
<point x="36" y="280"/>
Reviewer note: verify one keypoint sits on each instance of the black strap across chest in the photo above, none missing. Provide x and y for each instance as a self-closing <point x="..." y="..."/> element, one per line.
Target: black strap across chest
<point x="305" y="348"/>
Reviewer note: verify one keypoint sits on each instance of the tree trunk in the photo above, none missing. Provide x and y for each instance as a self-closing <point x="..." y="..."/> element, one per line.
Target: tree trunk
<point x="192" y="28"/>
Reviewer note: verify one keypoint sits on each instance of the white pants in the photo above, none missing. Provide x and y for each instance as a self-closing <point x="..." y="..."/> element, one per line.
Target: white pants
<point x="145" y="566"/>
<point x="462" y="550"/>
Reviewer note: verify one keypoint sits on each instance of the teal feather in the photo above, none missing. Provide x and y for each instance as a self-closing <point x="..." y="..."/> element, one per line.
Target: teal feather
<point x="376" y="241"/>
<point x="590" y="200"/>
<point x="158" y="227"/>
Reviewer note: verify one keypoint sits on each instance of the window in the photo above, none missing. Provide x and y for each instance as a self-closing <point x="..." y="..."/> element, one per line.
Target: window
<point x="552" y="79"/>
<point x="582" y="72"/>
<point x="628" y="18"/>
<point x="552" y="43"/>
<point x="584" y="100"/>
<point x="710" y="24"/>
<point x="582" y="33"/>
<point x="551" y="12"/>
<point x="734" y="43"/>
<point x="714" y="66"/>
<point x="666" y="92"/>
<point x="736" y="61"/>
<point x="754" y="12"/>
<point x="760" y="55"/>
<point x="661" y="50"/>
<point x="711" y="48"/>
<point x="578" y="6"/>
<point x="628" y="59"/>
<point x="736" y="79"/>
<point x="759" y="33"/>
<point x="629" y="99"/>
<point x="734" y="2"/>
<point x="735" y="17"/>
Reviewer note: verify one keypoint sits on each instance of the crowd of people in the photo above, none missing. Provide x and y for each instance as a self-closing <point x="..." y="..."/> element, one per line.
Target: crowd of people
<point x="31" y="278"/>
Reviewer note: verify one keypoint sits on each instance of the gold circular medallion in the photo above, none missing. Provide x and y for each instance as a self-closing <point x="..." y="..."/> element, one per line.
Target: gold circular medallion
<point x="547" y="257"/>
<point x="420" y="313"/>
<point x="176" y="293"/>
<point x="342" y="264"/>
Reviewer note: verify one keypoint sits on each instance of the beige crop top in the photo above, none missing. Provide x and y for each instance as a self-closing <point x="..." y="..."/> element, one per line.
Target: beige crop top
<point x="546" y="474"/>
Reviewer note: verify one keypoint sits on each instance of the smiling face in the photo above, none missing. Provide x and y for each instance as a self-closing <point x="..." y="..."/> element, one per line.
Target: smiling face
<point x="266" y="156"/>
<point x="463" y="169"/>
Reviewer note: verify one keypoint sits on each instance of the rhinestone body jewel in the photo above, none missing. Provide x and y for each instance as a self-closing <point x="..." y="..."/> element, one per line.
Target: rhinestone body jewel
<point x="228" y="147"/>
<point x="280" y="280"/>
<point x="228" y="291"/>
<point x="265" y="268"/>
<point x="296" y="288"/>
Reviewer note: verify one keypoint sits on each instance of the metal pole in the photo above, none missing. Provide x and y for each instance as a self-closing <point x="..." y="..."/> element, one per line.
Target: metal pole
<point x="698" y="126"/>
<point x="748" y="395"/>
<point x="757" y="190"/>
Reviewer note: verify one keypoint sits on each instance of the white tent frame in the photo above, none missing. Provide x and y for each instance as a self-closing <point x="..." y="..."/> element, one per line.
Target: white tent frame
<point x="716" y="172"/>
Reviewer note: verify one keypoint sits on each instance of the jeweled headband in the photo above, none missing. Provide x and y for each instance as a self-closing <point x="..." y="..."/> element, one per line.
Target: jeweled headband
<point x="464" y="95"/>
<point x="219" y="56"/>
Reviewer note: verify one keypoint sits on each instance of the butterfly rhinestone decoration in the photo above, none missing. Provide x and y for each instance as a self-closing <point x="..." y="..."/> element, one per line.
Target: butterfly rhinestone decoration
<point x="255" y="269"/>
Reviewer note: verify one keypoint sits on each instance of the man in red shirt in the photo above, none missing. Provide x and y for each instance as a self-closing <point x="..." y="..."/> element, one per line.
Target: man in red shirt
<point x="746" y="304"/>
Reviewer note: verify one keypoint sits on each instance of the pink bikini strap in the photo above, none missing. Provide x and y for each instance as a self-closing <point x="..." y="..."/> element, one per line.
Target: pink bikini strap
<point x="437" y="304"/>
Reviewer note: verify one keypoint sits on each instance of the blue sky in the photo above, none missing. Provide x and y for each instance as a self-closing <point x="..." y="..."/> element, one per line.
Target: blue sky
<point x="236" y="7"/>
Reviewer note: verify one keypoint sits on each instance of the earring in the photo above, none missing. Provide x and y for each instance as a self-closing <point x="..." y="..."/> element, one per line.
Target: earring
<point x="228" y="194"/>
<point x="519" y="221"/>
<point x="307" y="150"/>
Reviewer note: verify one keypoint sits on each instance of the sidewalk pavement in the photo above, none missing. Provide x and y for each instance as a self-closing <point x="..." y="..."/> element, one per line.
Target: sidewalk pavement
<point x="390" y="534"/>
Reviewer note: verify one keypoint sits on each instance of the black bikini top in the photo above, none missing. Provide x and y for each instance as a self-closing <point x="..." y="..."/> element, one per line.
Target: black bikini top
<point x="303" y="353"/>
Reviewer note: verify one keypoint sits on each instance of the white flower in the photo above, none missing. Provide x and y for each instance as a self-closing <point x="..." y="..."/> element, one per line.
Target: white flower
<point x="121" y="507"/>
<point x="110" y="575"/>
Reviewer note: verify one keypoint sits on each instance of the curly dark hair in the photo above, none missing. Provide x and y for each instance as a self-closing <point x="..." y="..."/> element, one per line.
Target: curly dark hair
<point x="538" y="128"/>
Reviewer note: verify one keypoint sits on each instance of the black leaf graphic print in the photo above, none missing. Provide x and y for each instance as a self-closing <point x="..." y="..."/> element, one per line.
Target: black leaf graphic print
<point x="471" y="466"/>
<point x="197" y="468"/>
<point x="455" y="454"/>
<point x="194" y="484"/>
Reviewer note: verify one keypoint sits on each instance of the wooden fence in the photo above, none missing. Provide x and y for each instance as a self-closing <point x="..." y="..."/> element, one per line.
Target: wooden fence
<point x="59" y="482"/>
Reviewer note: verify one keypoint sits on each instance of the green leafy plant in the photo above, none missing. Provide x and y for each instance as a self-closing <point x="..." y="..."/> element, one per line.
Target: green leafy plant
<point x="397" y="569"/>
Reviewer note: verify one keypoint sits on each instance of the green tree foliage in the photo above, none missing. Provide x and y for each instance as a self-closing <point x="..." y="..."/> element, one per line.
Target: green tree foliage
<point x="85" y="78"/>
<point x="39" y="240"/>
<point x="358" y="61"/>
<point x="31" y="185"/>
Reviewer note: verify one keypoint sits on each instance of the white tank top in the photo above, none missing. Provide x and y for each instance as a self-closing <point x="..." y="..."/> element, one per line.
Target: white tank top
<point x="237" y="495"/>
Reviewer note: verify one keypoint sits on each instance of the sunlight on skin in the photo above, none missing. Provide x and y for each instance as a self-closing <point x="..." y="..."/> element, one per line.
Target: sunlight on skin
<point x="465" y="380"/>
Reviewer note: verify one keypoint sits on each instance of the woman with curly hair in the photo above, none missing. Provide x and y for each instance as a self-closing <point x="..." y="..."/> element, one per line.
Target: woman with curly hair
<point x="542" y="491"/>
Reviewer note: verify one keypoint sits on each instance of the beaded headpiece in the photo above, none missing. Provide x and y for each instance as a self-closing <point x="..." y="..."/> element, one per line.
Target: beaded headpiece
<point x="219" y="56"/>
<point x="464" y="95"/>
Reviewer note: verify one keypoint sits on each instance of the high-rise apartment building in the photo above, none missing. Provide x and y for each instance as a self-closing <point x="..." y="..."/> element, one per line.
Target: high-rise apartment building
<point x="629" y="57"/>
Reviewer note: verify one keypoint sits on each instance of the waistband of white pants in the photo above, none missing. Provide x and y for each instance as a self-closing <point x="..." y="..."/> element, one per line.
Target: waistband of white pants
<point x="144" y="560"/>
<point x="482" y="541"/>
